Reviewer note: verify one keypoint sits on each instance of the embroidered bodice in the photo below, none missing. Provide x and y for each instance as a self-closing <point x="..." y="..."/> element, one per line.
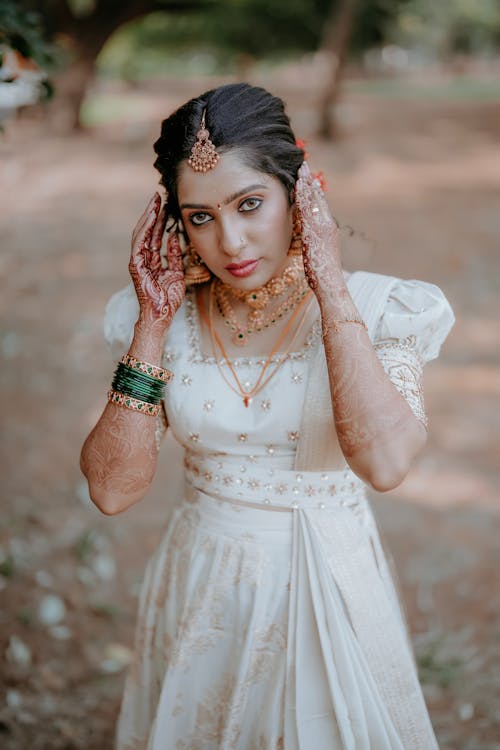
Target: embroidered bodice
<point x="206" y="416"/>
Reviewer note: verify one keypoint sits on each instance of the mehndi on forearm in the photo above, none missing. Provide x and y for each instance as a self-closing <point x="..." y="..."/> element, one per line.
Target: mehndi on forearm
<point x="119" y="456"/>
<point x="375" y="425"/>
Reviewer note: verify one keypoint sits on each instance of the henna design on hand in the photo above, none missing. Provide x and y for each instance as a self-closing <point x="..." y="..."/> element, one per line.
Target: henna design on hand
<point x="320" y="232"/>
<point x="160" y="290"/>
<point x="369" y="412"/>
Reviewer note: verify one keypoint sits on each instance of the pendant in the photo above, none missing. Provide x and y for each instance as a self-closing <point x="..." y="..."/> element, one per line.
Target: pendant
<point x="247" y="400"/>
<point x="240" y="337"/>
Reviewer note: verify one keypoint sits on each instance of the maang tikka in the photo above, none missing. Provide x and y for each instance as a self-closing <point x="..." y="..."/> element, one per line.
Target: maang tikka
<point x="203" y="154"/>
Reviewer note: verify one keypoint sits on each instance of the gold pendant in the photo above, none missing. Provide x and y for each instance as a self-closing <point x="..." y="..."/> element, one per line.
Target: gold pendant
<point x="240" y="337"/>
<point x="247" y="400"/>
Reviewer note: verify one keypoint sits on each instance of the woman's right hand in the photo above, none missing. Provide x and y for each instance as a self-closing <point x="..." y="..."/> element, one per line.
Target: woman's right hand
<point x="160" y="291"/>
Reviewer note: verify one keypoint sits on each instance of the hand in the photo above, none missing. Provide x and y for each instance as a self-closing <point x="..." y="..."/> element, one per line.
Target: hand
<point x="320" y="232"/>
<point x="160" y="291"/>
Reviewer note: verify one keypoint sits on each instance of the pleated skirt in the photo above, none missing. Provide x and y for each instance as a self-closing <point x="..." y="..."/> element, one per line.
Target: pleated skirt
<point x="265" y="629"/>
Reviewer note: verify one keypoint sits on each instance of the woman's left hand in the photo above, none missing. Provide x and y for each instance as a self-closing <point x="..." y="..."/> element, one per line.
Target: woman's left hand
<point x="320" y="232"/>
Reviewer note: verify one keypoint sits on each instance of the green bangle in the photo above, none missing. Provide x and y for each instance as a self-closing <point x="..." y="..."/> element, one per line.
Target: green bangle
<point x="137" y="384"/>
<point x="135" y="376"/>
<point x="122" y="381"/>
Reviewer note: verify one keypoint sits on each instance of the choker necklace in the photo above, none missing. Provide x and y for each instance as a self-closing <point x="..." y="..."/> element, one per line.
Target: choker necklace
<point x="247" y="396"/>
<point x="257" y="300"/>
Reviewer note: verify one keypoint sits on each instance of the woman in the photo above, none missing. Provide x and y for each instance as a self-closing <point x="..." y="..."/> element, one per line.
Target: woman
<point x="268" y="617"/>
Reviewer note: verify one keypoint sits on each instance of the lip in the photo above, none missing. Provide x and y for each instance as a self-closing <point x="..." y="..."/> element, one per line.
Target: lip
<point x="245" y="268"/>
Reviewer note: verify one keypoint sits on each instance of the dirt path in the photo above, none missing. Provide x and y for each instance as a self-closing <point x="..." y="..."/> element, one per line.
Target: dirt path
<point x="421" y="182"/>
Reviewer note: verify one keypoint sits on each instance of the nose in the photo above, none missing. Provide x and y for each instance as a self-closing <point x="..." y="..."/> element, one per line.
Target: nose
<point x="231" y="238"/>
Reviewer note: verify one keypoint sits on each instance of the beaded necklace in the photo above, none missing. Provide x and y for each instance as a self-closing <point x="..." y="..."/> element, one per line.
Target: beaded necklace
<point x="258" y="299"/>
<point x="247" y="396"/>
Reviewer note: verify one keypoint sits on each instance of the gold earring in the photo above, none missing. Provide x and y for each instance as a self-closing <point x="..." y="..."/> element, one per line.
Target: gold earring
<point x="295" y="249"/>
<point x="196" y="271"/>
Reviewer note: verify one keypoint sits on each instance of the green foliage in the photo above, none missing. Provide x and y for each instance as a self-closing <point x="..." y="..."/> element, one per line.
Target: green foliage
<point x="463" y="26"/>
<point x="23" y="30"/>
<point x="82" y="8"/>
<point x="85" y="545"/>
<point x="216" y="36"/>
<point x="7" y="566"/>
<point x="438" y="665"/>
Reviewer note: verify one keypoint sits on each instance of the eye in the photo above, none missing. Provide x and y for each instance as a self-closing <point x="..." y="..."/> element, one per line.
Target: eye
<point x="199" y="219"/>
<point x="250" y="204"/>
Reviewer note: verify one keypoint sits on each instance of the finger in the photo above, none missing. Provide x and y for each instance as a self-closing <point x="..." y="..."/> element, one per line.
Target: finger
<point x="142" y="241"/>
<point x="151" y="210"/>
<point x="174" y="254"/>
<point x="311" y="200"/>
<point x="159" y="229"/>
<point x="152" y="205"/>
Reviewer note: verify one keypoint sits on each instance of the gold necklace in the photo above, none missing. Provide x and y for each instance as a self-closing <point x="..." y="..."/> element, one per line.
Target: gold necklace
<point x="247" y="396"/>
<point x="258" y="299"/>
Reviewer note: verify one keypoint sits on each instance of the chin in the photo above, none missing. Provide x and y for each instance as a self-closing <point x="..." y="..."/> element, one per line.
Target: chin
<point x="262" y="274"/>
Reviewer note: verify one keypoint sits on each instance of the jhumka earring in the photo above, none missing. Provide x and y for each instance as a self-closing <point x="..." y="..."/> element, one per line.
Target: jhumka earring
<point x="196" y="271"/>
<point x="203" y="154"/>
<point x="296" y="243"/>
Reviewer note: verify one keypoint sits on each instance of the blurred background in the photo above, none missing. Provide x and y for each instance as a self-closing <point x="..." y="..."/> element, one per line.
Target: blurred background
<point x="398" y="102"/>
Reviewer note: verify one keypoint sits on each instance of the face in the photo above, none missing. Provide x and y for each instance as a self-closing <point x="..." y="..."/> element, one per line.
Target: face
<point x="238" y="220"/>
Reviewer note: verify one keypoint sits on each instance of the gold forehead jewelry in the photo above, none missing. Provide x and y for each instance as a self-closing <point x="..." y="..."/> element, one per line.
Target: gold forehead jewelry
<point x="203" y="154"/>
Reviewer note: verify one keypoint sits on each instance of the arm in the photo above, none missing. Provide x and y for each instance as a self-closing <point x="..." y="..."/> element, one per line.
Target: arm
<point x="118" y="457"/>
<point x="377" y="430"/>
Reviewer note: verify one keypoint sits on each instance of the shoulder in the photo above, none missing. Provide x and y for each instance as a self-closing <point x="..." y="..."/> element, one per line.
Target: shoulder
<point x="120" y="316"/>
<point x="418" y="309"/>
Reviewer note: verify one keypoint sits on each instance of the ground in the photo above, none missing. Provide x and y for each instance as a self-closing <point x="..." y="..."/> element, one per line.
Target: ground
<point x="417" y="178"/>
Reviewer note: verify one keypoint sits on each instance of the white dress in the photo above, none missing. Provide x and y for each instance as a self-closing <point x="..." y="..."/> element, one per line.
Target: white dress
<point x="268" y="618"/>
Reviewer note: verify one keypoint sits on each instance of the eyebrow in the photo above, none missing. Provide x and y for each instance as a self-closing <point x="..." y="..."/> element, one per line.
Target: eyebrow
<point x="229" y="199"/>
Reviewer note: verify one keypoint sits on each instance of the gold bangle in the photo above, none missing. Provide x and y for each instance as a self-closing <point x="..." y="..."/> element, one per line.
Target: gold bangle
<point x="159" y="373"/>
<point x="333" y="325"/>
<point x="121" y="399"/>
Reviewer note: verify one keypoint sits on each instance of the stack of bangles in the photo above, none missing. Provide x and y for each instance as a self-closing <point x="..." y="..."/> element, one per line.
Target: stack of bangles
<point x="139" y="386"/>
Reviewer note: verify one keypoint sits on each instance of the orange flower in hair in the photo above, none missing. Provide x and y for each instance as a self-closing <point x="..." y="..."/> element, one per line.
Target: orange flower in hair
<point x="320" y="180"/>
<point x="301" y="144"/>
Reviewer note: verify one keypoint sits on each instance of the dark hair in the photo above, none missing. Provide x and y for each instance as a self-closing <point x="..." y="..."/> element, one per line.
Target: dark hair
<point x="237" y="115"/>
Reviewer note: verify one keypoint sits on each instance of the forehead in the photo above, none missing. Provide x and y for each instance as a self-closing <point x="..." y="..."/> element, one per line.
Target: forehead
<point x="229" y="176"/>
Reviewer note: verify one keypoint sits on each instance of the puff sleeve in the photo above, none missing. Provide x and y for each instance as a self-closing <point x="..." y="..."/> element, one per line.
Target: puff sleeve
<point x="120" y="317"/>
<point x="415" y="321"/>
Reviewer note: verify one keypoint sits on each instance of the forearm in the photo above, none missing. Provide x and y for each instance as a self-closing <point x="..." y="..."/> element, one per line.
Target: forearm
<point x="119" y="456"/>
<point x="377" y="430"/>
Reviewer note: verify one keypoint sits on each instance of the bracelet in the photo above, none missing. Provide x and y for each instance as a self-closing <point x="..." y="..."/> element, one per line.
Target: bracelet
<point x="334" y="324"/>
<point x="121" y="399"/>
<point x="159" y="373"/>
<point x="134" y="383"/>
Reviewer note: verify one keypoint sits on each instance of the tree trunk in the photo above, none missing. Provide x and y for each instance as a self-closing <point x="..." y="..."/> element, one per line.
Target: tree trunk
<point x="70" y="90"/>
<point x="335" y="47"/>
<point x="87" y="35"/>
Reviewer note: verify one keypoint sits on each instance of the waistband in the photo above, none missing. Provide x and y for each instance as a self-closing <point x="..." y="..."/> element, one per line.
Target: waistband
<point x="244" y="481"/>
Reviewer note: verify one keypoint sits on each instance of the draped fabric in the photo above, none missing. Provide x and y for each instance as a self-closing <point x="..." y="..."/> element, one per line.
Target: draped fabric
<point x="268" y="617"/>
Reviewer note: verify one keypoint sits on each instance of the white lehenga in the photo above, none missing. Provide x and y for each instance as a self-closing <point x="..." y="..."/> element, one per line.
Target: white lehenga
<point x="268" y="618"/>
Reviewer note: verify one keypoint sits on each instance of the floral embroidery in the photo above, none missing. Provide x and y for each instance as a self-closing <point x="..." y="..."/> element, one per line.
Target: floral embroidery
<point x="404" y="366"/>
